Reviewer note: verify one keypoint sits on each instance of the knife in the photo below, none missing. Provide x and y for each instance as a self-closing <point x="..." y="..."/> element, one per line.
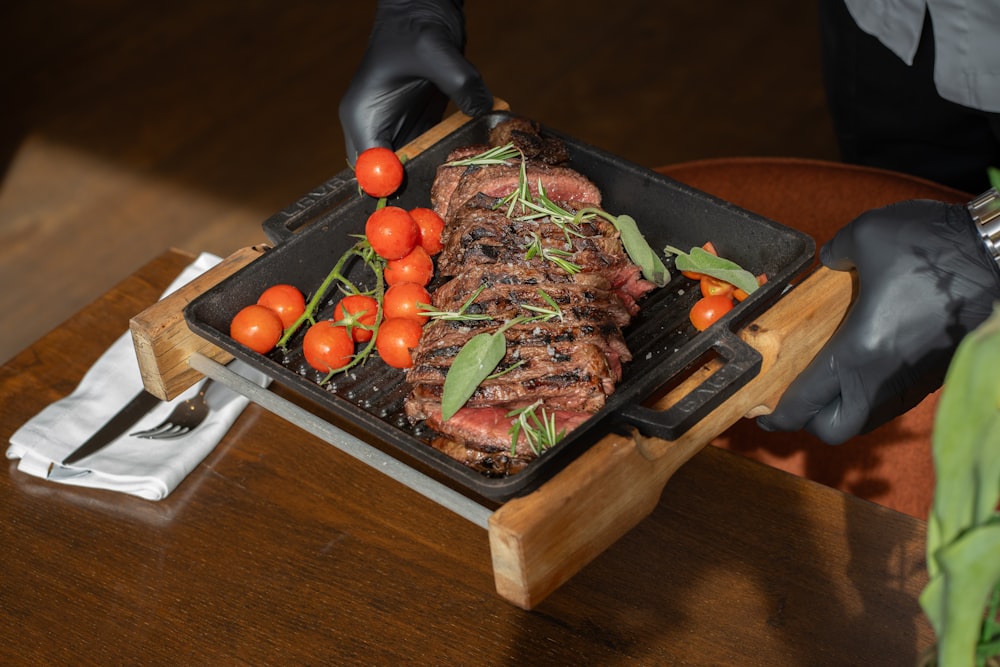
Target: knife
<point x="142" y="403"/>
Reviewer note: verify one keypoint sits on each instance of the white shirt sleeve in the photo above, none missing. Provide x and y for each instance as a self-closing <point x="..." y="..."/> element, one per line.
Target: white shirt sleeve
<point x="966" y="42"/>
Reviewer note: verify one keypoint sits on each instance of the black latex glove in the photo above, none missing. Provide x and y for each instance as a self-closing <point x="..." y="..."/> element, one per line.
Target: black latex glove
<point x="924" y="281"/>
<point x="413" y="65"/>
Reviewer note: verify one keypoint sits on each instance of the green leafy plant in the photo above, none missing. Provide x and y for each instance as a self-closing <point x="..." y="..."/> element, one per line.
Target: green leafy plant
<point x="962" y="597"/>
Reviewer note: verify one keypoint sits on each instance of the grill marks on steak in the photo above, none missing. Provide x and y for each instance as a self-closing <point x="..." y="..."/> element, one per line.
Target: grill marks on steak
<point x="572" y="362"/>
<point x="525" y="135"/>
<point x="561" y="184"/>
<point x="507" y="288"/>
<point x="480" y="232"/>
<point x="569" y="376"/>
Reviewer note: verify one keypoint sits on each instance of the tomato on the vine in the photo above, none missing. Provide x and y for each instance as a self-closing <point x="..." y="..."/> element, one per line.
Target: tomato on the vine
<point x="403" y="300"/>
<point x="415" y="267"/>
<point x="257" y="327"/>
<point x="327" y="346"/>
<point x="392" y="232"/>
<point x="431" y="226"/>
<point x="396" y="337"/>
<point x="285" y="300"/>
<point x="379" y="172"/>
<point x="708" y="310"/>
<point x="354" y="310"/>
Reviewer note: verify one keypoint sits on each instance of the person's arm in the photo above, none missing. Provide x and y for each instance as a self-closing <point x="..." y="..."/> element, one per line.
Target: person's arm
<point x="926" y="277"/>
<point x="413" y="65"/>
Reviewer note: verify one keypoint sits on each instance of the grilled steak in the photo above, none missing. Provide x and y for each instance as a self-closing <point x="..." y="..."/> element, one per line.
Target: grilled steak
<point x="442" y="341"/>
<point x="578" y="300"/>
<point x="560" y="184"/>
<point x="525" y="135"/>
<point x="482" y="435"/>
<point x="480" y="231"/>
<point x="447" y="177"/>
<point x="562" y="289"/>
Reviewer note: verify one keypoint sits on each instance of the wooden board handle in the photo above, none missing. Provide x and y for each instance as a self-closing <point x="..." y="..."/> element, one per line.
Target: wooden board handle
<point x="163" y="342"/>
<point x="541" y="540"/>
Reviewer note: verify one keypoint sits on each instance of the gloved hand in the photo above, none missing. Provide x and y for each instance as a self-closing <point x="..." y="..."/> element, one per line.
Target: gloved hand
<point x="413" y="65"/>
<point x="925" y="279"/>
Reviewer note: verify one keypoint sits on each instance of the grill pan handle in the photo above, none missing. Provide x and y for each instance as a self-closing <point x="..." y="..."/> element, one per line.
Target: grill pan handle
<point x="283" y="224"/>
<point x="742" y="363"/>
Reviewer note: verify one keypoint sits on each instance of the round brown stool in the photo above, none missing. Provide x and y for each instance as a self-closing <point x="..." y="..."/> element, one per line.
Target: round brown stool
<point x="891" y="465"/>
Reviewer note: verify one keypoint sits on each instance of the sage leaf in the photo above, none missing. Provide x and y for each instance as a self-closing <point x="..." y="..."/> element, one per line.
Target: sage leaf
<point x="639" y="251"/>
<point x="963" y="530"/>
<point x="702" y="261"/>
<point x="473" y="363"/>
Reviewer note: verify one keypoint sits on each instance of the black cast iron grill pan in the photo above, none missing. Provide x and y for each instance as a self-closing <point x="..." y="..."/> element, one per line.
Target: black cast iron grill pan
<point x="311" y="234"/>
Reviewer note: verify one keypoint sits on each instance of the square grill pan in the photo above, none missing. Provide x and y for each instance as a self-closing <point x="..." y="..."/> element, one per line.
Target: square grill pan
<point x="310" y="235"/>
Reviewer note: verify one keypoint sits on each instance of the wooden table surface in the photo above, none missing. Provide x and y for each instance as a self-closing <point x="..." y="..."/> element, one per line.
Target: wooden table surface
<point x="279" y="549"/>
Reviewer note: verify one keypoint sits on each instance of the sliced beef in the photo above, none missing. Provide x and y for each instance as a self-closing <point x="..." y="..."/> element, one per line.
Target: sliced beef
<point x="442" y="341"/>
<point x="578" y="301"/>
<point x="487" y="430"/>
<point x="447" y="176"/>
<point x="480" y="232"/>
<point x="539" y="368"/>
<point x="525" y="134"/>
<point x="560" y="184"/>
<point x="457" y="290"/>
<point x="570" y="362"/>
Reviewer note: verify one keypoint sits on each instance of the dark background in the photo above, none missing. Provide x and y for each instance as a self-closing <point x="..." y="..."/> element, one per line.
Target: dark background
<point x="128" y="128"/>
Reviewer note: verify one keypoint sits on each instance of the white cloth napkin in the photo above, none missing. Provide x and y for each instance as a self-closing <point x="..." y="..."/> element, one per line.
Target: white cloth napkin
<point x="141" y="467"/>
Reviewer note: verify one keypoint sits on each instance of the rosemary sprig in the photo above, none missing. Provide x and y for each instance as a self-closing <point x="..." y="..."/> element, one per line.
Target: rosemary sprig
<point x="460" y="315"/>
<point x="498" y="155"/>
<point x="554" y="255"/>
<point x="520" y="194"/>
<point x="545" y="314"/>
<point x="545" y="208"/>
<point x="538" y="426"/>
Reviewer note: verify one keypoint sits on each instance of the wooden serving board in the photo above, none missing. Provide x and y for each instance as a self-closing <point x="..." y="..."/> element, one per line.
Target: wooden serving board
<point x="539" y="541"/>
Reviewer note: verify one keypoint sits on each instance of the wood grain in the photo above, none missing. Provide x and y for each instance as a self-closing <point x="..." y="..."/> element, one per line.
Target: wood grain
<point x="541" y="540"/>
<point x="163" y="341"/>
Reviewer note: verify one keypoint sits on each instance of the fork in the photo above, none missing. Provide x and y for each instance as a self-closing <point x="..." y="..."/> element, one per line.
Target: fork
<point x="186" y="417"/>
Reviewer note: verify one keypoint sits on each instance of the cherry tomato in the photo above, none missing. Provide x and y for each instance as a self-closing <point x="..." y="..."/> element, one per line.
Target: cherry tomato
<point x="708" y="310"/>
<point x="416" y="267"/>
<point x="392" y="232"/>
<point x="403" y="299"/>
<point x="431" y="226"/>
<point x="379" y="172"/>
<point x="397" y="336"/>
<point x="327" y="346"/>
<point x="714" y="287"/>
<point x="354" y="310"/>
<point x="257" y="327"/>
<point x="285" y="300"/>
<point x="740" y="295"/>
